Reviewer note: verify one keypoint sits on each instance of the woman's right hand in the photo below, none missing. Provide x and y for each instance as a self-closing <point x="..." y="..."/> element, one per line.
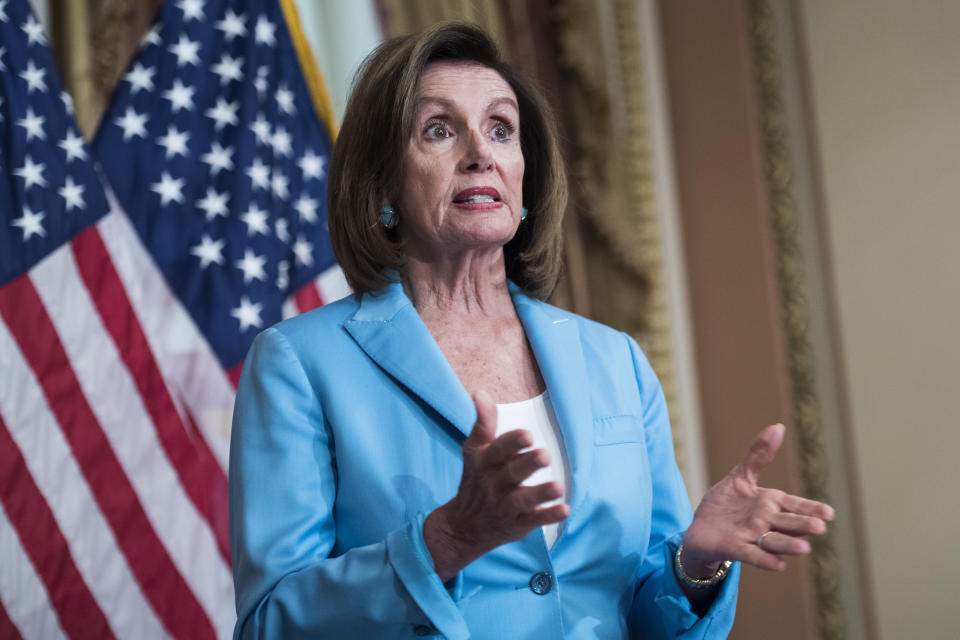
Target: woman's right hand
<point x="491" y="507"/>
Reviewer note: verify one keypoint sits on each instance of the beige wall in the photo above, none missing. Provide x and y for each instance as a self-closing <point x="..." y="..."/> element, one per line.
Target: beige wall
<point x="885" y="89"/>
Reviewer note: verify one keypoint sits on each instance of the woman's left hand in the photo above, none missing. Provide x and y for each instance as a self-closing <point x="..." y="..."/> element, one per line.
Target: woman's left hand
<point x="736" y="512"/>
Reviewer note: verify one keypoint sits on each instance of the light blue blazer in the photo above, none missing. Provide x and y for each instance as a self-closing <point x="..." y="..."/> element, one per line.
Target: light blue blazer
<point x="348" y="430"/>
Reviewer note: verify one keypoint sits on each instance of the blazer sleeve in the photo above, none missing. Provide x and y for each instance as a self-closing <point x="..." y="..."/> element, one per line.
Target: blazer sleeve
<point x="660" y="609"/>
<point x="289" y="583"/>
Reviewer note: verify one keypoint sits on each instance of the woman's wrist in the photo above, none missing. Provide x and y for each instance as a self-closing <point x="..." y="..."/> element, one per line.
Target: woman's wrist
<point x="712" y="575"/>
<point x="694" y="567"/>
<point x="449" y="555"/>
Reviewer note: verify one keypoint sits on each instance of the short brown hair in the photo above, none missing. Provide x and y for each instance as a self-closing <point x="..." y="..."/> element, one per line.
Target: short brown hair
<point x="366" y="166"/>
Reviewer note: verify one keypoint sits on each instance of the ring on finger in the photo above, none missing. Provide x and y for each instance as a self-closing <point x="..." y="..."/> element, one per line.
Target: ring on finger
<point x="761" y="538"/>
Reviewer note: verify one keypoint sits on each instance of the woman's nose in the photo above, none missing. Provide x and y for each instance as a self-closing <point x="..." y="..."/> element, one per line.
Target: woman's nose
<point x="477" y="156"/>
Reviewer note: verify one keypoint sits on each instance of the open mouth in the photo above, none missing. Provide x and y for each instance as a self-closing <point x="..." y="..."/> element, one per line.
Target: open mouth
<point x="471" y="199"/>
<point x="477" y="195"/>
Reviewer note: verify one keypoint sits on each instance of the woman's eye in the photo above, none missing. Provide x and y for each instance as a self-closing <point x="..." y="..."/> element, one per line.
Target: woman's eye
<point x="501" y="132"/>
<point x="438" y="131"/>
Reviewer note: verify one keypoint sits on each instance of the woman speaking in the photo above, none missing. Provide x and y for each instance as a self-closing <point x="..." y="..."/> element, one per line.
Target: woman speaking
<point x="443" y="454"/>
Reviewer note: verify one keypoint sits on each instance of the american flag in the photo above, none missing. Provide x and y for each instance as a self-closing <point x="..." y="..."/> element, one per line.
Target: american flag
<point x="134" y="274"/>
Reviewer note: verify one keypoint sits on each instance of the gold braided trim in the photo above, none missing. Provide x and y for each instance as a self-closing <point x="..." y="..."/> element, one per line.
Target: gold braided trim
<point x="794" y="309"/>
<point x="308" y="64"/>
<point x="648" y="250"/>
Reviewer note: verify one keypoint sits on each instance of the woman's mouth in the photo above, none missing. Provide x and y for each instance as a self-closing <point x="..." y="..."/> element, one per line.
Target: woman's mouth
<point x="478" y="198"/>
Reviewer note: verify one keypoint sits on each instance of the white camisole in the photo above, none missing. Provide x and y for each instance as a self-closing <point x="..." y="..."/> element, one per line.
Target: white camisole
<point x="536" y="415"/>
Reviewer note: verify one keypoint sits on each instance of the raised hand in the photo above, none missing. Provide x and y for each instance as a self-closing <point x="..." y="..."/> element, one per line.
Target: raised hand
<point x="740" y="520"/>
<point x="492" y="506"/>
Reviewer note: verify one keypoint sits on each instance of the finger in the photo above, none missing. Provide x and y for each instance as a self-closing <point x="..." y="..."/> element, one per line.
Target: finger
<point x="506" y="447"/>
<point x="762" y="451"/>
<point x="797" y="525"/>
<point x="544" y="515"/>
<point x="522" y="465"/>
<point x="807" y="507"/>
<point x="485" y="428"/>
<point x="782" y="544"/>
<point x="754" y="555"/>
<point x="528" y="498"/>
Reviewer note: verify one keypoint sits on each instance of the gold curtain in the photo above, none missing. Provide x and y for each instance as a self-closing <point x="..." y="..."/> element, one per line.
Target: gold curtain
<point x="93" y="42"/>
<point x="587" y="57"/>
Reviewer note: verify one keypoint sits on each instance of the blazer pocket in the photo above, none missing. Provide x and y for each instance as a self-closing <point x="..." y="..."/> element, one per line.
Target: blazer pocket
<point x="622" y="429"/>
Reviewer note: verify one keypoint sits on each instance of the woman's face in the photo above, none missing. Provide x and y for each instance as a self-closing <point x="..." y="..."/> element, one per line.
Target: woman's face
<point x="462" y="186"/>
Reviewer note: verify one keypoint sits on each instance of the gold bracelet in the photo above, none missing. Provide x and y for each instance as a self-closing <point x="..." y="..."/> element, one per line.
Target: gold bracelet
<point x="700" y="583"/>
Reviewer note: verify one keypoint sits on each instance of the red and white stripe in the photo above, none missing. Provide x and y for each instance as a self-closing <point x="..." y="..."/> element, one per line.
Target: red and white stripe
<point x="114" y="436"/>
<point x="329" y="286"/>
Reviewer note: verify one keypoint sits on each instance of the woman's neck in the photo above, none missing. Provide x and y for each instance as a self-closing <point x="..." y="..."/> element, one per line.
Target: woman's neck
<point x="475" y="285"/>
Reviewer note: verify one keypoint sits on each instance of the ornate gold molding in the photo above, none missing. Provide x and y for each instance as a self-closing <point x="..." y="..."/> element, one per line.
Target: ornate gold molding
<point x="794" y="308"/>
<point x="600" y="62"/>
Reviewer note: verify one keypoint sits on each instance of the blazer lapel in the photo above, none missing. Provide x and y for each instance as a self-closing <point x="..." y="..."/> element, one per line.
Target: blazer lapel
<point x="389" y="330"/>
<point x="555" y="339"/>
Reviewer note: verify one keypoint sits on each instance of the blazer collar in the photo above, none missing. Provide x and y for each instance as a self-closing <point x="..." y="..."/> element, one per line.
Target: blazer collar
<point x="391" y="332"/>
<point x="554" y="335"/>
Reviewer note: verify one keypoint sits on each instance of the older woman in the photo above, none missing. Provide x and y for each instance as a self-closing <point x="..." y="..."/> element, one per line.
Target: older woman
<point x="445" y="454"/>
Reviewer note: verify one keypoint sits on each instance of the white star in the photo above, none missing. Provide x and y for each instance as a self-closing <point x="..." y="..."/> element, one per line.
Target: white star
<point x="209" y="251"/>
<point x="304" y="251"/>
<point x="180" y="96"/>
<point x="175" y="142"/>
<point x="31" y="173"/>
<point x="169" y="189"/>
<point x="281" y="228"/>
<point x="223" y="113"/>
<point x="283" y="274"/>
<point x="34" y="31"/>
<point x="218" y="158"/>
<point x="67" y="102"/>
<point x="264" y="32"/>
<point x="214" y="204"/>
<point x="261" y="129"/>
<point x="192" y="9"/>
<point x="228" y="68"/>
<point x="285" y="100"/>
<point x="311" y="164"/>
<point x="3" y="67"/>
<point x="307" y="208"/>
<point x="140" y="77"/>
<point x="260" y="174"/>
<point x="29" y="223"/>
<point x="33" y="125"/>
<point x="73" y="145"/>
<point x="256" y="220"/>
<point x="133" y="124"/>
<point x="252" y="266"/>
<point x="34" y="77"/>
<point x="261" y="82"/>
<point x="281" y="142"/>
<point x="186" y="51"/>
<point x="232" y="25"/>
<point x="73" y="194"/>
<point x="3" y="10"/>
<point x="248" y="314"/>
<point x="279" y="184"/>
<point x="152" y="36"/>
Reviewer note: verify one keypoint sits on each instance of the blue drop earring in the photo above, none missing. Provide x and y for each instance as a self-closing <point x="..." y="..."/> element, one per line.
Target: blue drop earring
<point x="523" y="213"/>
<point x="388" y="217"/>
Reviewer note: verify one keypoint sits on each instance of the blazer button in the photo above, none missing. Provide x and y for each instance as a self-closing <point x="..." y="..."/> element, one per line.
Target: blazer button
<point x="423" y="631"/>
<point x="541" y="583"/>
